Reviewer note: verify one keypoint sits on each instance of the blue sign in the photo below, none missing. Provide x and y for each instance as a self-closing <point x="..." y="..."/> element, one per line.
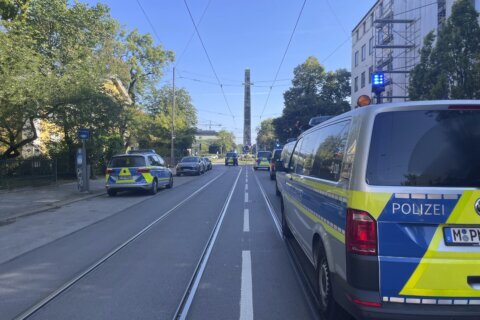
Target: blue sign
<point x="83" y="134"/>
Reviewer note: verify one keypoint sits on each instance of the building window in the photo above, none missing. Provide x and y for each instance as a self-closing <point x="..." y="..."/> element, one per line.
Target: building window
<point x="356" y="58"/>
<point x="356" y="84"/>
<point x="364" y="52"/>
<point x="371" y="20"/>
<point x="364" y="27"/>
<point x="358" y="35"/>
<point x="370" y="72"/>
<point x="362" y="80"/>
<point x="370" y="46"/>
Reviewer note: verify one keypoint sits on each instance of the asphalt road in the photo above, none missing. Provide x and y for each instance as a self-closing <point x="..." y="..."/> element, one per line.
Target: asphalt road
<point x="210" y="248"/>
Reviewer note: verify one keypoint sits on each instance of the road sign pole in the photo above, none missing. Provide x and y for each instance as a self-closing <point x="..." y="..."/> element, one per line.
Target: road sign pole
<point x="84" y="167"/>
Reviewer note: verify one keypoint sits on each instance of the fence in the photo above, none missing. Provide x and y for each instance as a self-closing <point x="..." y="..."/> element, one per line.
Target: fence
<point x="27" y="172"/>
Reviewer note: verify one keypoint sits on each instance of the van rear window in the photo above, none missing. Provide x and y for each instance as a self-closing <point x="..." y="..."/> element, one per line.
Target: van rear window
<point x="127" y="161"/>
<point x="438" y="148"/>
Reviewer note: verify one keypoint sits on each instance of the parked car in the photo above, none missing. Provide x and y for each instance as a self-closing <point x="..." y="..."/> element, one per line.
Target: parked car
<point x="231" y="159"/>
<point x="276" y="156"/>
<point x="139" y="169"/>
<point x="190" y="165"/>
<point x="384" y="200"/>
<point x="208" y="163"/>
<point x="262" y="160"/>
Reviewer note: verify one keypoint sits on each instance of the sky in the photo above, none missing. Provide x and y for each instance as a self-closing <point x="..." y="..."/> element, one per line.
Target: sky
<point x="238" y="35"/>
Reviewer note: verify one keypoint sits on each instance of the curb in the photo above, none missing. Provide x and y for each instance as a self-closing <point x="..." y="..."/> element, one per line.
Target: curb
<point x="50" y="207"/>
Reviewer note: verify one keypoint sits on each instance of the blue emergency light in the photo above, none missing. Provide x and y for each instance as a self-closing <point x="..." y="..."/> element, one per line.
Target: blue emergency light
<point x="378" y="82"/>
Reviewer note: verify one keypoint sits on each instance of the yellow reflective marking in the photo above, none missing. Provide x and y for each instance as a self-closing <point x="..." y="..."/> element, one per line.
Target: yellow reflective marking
<point x="107" y="176"/>
<point x="444" y="273"/>
<point x="371" y="202"/>
<point x="335" y="233"/>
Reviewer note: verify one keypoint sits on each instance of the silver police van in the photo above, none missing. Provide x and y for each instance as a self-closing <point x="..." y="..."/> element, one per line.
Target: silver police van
<point x="385" y="202"/>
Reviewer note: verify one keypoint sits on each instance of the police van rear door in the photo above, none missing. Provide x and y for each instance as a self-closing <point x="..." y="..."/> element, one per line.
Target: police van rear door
<point x="429" y="230"/>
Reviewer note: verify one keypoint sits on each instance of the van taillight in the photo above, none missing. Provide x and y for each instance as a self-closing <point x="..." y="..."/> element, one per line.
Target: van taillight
<point x="109" y="171"/>
<point x="143" y="170"/>
<point x="361" y="235"/>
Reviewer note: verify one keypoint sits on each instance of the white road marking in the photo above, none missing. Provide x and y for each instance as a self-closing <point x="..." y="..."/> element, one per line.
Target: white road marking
<point x="246" y="297"/>
<point x="246" y="187"/>
<point x="246" y="220"/>
<point x="246" y="196"/>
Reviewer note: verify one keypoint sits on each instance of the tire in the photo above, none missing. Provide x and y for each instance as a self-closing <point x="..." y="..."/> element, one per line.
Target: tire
<point x="198" y="172"/>
<point x="255" y="168"/>
<point x="112" y="193"/>
<point x="277" y="191"/>
<point x="170" y="183"/>
<point x="328" y="307"/>
<point x="285" y="229"/>
<point x="154" y="188"/>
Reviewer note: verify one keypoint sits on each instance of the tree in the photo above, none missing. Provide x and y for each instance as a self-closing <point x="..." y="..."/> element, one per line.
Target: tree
<point x="154" y="128"/>
<point x="266" y="137"/>
<point x="314" y="92"/>
<point x="226" y="141"/>
<point x="451" y="68"/>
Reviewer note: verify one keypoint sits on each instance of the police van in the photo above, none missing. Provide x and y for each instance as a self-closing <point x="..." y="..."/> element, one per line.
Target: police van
<point x="385" y="202"/>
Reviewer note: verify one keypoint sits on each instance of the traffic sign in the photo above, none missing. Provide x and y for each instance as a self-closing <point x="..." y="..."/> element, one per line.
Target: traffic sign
<point x="83" y="134"/>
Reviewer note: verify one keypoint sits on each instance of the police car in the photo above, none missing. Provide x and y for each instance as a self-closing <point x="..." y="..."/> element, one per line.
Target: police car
<point x="139" y="169"/>
<point x="385" y="202"/>
<point x="262" y="160"/>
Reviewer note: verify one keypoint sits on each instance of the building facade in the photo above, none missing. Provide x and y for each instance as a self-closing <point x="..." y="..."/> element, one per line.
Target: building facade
<point x="388" y="39"/>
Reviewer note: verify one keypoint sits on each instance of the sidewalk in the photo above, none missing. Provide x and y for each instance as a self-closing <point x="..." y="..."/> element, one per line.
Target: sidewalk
<point x="21" y="202"/>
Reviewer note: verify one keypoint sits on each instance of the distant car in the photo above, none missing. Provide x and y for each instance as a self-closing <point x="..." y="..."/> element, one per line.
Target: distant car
<point x="262" y="161"/>
<point x="231" y="159"/>
<point x="139" y="169"/>
<point x="276" y="156"/>
<point x="190" y="165"/>
<point x="208" y="163"/>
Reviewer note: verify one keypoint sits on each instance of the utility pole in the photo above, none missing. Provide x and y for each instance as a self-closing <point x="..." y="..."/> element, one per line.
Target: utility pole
<point x="172" y="153"/>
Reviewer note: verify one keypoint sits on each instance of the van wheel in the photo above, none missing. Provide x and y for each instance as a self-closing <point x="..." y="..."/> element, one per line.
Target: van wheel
<point x="285" y="229"/>
<point x="328" y="307"/>
<point x="154" y="188"/>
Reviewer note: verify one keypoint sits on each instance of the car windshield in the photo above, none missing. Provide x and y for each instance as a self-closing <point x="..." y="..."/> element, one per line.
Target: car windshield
<point x="231" y="155"/>
<point x="127" y="161"/>
<point x="264" y="154"/>
<point x="190" y="159"/>
<point x="439" y="149"/>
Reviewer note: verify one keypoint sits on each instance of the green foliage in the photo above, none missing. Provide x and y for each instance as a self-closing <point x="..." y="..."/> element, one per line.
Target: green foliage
<point x="225" y="143"/>
<point x="314" y="92"/>
<point x="266" y="137"/>
<point x="55" y="60"/>
<point x="450" y="69"/>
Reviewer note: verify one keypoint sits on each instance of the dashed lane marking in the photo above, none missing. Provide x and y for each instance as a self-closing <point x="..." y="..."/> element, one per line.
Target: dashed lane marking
<point x="246" y="300"/>
<point x="246" y="220"/>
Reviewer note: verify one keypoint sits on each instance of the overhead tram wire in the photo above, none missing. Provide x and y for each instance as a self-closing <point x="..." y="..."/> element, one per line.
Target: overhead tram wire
<point x="283" y="57"/>
<point x="149" y="21"/>
<point x="209" y="59"/>
<point x="193" y="34"/>
<point x="336" y="18"/>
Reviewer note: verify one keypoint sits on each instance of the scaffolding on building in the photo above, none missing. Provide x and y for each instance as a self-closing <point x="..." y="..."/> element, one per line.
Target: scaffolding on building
<point x="396" y="45"/>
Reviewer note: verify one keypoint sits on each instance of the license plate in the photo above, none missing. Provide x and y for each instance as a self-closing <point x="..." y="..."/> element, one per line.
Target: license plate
<point x="125" y="178"/>
<point x="462" y="236"/>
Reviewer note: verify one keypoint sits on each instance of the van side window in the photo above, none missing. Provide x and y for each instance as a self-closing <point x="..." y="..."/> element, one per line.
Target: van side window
<point x="307" y="151"/>
<point x="296" y="163"/>
<point x="152" y="160"/>
<point x="331" y="142"/>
